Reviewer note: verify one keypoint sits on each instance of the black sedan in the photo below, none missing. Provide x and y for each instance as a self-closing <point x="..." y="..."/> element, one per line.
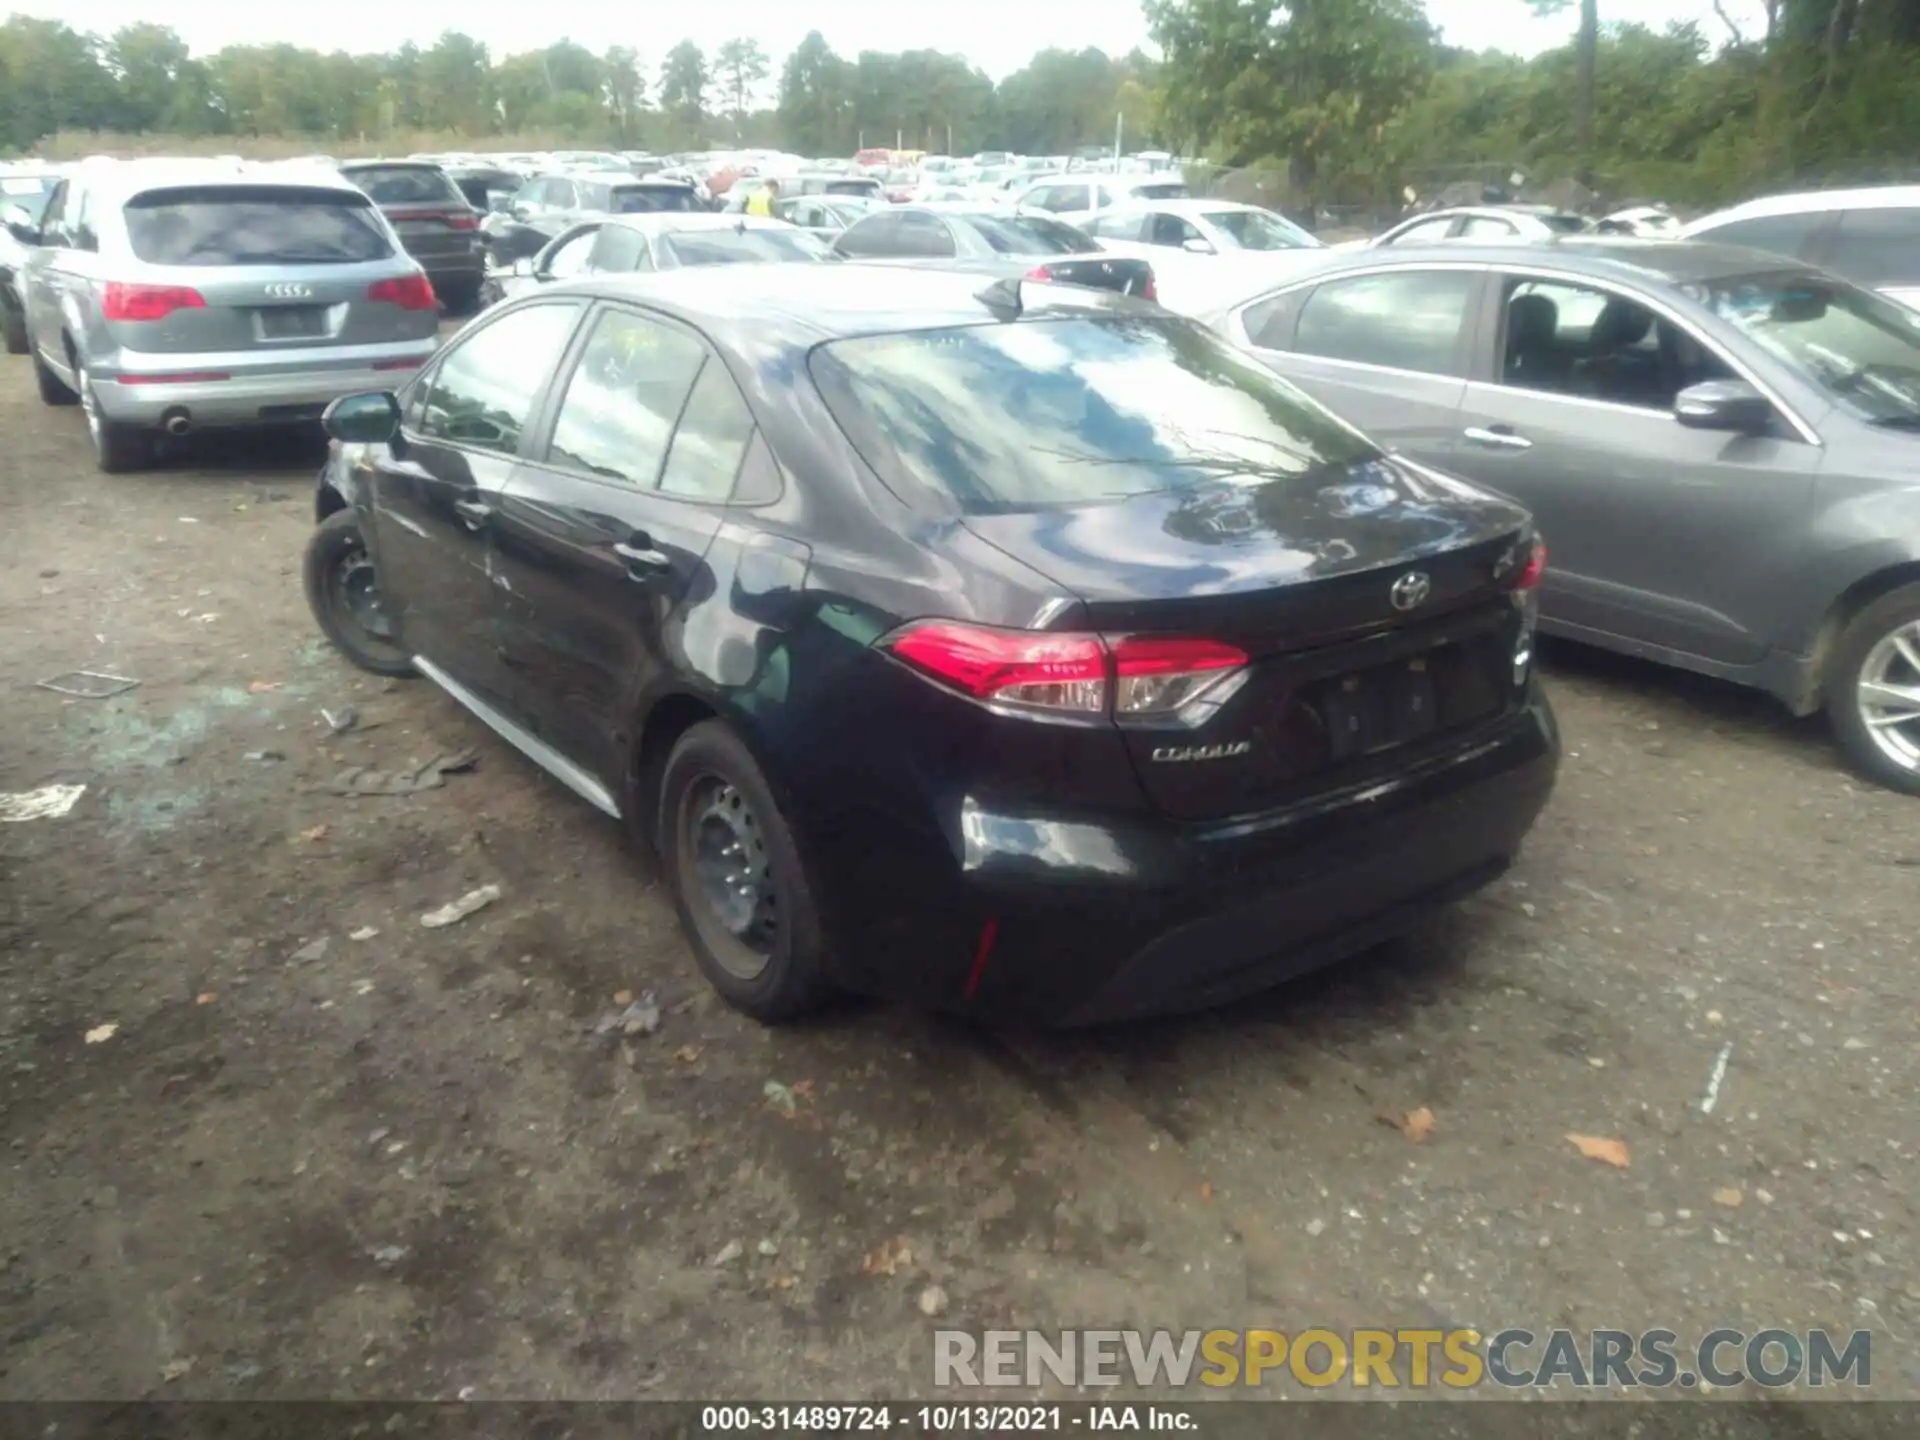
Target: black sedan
<point x="955" y="236"/>
<point x="549" y="205"/>
<point x="1045" y="659"/>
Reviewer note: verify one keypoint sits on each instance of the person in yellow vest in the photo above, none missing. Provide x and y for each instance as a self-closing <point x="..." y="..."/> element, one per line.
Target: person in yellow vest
<point x="761" y="201"/>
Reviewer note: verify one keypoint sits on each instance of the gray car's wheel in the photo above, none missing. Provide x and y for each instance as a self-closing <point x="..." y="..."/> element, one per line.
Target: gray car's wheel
<point x="116" y="448"/>
<point x="737" y="878"/>
<point x="53" y="389"/>
<point x="344" y="594"/>
<point x="14" y="326"/>
<point x="1873" y="690"/>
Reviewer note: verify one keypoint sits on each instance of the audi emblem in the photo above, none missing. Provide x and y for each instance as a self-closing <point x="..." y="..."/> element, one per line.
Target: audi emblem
<point x="289" y="290"/>
<point x="1410" y="590"/>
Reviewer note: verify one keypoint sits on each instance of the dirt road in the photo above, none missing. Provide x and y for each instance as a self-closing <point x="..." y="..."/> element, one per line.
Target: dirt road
<point x="265" y="1135"/>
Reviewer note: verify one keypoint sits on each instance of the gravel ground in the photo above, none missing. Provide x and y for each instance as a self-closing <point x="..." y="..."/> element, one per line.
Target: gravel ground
<point x="325" y="1151"/>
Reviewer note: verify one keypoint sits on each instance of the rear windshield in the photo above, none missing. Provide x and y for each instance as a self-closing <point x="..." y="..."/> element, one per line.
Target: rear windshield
<point x="853" y="187"/>
<point x="735" y="247"/>
<point x="1565" y="224"/>
<point x="1045" y="413"/>
<point x="254" y="225"/>
<point x="404" y="185"/>
<point x="1161" y="190"/>
<point x="1029" y="235"/>
<point x="652" y="200"/>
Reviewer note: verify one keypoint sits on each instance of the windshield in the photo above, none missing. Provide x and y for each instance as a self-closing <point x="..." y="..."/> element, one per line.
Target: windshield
<point x="735" y="247"/>
<point x="30" y="191"/>
<point x="1045" y="413"/>
<point x="1259" y="230"/>
<point x="652" y="199"/>
<point x="1029" y="235"/>
<point x="1859" y="348"/>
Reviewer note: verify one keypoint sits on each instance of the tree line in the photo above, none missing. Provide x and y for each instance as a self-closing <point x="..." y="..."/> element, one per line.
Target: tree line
<point x="143" y="80"/>
<point x="1348" y="100"/>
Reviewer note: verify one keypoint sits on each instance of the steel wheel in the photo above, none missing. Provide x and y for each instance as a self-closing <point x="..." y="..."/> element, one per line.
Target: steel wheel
<point x="1888" y="695"/>
<point x="358" y="592"/>
<point x="728" y="876"/>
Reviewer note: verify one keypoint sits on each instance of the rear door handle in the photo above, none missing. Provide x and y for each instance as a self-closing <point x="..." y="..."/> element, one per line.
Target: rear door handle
<point x="475" y="513"/>
<point x="643" y="561"/>
<point x="1499" y="437"/>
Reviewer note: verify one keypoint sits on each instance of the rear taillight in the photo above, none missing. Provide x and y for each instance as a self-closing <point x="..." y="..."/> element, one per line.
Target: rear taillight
<point x="1071" y="673"/>
<point x="1531" y="568"/>
<point x="462" y="220"/>
<point x="452" y="219"/>
<point x="1040" y="272"/>
<point x="121" y="300"/>
<point x="1150" y="291"/>
<point x="409" y="292"/>
<point x="413" y="363"/>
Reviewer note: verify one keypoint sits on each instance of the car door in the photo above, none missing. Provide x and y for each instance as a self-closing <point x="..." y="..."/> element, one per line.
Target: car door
<point x="1659" y="535"/>
<point x="44" y="276"/>
<point x="435" y="493"/>
<point x="1387" y="350"/>
<point x="603" y="533"/>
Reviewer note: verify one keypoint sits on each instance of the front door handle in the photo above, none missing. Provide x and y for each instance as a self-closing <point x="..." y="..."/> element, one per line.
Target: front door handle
<point x="1500" y="437"/>
<point x="643" y="561"/>
<point x="475" y="513"/>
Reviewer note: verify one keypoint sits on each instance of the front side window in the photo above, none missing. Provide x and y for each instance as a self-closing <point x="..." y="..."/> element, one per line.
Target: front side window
<point x="1171" y="229"/>
<point x="1075" y="410"/>
<point x="874" y="235"/>
<point x="924" y="235"/>
<point x="624" y="398"/>
<point x="1409" y="320"/>
<point x="254" y="225"/>
<point x="1599" y="345"/>
<point x="483" y="393"/>
<point x="618" y="250"/>
<point x="570" y="256"/>
<point x="1124" y="226"/>
<point x="1793" y="235"/>
<point x="1877" y="247"/>
<point x="1260" y="230"/>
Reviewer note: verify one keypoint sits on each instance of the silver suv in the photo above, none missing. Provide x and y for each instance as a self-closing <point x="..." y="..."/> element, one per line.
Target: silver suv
<point x="175" y="294"/>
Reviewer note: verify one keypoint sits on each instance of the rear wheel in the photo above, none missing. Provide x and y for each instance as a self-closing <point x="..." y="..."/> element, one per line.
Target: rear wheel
<point x="460" y="297"/>
<point x="738" y="880"/>
<point x="14" y="326"/>
<point x="53" y="389"/>
<point x="344" y="594"/>
<point x="116" y="448"/>
<point x="1873" y="690"/>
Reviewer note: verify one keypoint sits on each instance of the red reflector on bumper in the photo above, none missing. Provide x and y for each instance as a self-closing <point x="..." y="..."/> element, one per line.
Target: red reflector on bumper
<point x="398" y="364"/>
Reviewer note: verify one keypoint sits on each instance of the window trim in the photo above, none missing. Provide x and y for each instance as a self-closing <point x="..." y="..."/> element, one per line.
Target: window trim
<point x="422" y="385"/>
<point x="1237" y="330"/>
<point x="554" y="397"/>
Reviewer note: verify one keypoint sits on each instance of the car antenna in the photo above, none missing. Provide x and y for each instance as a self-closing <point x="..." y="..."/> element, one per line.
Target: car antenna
<point x="1002" y="297"/>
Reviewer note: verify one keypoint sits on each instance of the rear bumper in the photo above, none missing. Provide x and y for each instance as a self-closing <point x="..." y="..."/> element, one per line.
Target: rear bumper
<point x="1055" y="921"/>
<point x="286" y="387"/>
<point x="455" y="270"/>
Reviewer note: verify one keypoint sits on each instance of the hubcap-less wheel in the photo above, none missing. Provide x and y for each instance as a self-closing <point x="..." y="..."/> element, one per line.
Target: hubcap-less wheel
<point x="724" y="853"/>
<point x="359" y="592"/>
<point x="1889" y="695"/>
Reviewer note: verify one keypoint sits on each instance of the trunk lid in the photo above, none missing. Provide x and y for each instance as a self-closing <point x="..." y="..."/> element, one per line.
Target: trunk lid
<point x="266" y="310"/>
<point x="1342" y="682"/>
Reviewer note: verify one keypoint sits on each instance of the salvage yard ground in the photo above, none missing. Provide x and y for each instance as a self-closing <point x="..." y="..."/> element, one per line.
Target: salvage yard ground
<point x="266" y="1135"/>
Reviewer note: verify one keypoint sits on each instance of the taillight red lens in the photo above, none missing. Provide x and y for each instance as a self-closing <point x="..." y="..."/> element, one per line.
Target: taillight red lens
<point x="1150" y="291"/>
<point x="409" y="292"/>
<point x="1040" y="272"/>
<point x="1066" y="672"/>
<point x="1528" y="575"/>
<point x="123" y="301"/>
<point x="461" y="221"/>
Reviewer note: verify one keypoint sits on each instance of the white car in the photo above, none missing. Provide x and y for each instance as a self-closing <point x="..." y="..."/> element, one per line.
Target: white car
<point x="1871" y="237"/>
<point x="1652" y="221"/>
<point x="1202" y="227"/>
<point x="1488" y="224"/>
<point x="1076" y="199"/>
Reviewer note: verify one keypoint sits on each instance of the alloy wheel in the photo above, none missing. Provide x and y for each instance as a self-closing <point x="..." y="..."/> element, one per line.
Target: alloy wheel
<point x="1888" y="695"/>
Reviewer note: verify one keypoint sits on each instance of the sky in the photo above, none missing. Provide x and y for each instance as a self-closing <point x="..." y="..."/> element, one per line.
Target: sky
<point x="997" y="35"/>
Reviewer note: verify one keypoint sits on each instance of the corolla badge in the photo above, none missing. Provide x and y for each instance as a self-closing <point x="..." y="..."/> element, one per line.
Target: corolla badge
<point x="289" y="290"/>
<point x="1410" y="590"/>
<point x="1202" y="752"/>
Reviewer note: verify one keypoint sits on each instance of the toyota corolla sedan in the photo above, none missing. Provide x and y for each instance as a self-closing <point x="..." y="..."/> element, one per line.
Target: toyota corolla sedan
<point x="1010" y="647"/>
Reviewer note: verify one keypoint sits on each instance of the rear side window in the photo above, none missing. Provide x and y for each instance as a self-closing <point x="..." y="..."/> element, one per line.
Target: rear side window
<point x="1029" y="235"/>
<point x="618" y="250"/>
<point x="1410" y="320"/>
<point x="1782" y="234"/>
<point x="1877" y="247"/>
<point x="715" y="429"/>
<point x="406" y="185"/>
<point x="652" y="200"/>
<point x="624" y="398"/>
<point x="875" y="235"/>
<point x="1061" y="412"/>
<point x="254" y="225"/>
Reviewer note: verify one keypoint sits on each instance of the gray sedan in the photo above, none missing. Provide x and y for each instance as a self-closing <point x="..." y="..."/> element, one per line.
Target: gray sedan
<point x="1720" y="446"/>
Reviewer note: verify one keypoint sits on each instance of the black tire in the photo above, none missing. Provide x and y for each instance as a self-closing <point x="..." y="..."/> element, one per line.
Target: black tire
<point x="117" y="449"/>
<point x="1860" y="643"/>
<point x="334" y="551"/>
<point x="460" y="298"/>
<point x="53" y="389"/>
<point x="788" y="940"/>
<point x="14" y="326"/>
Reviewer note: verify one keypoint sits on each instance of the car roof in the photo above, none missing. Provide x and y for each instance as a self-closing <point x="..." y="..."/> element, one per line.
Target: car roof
<point x="1877" y="197"/>
<point x="1183" y="205"/>
<point x="797" y="307"/>
<point x="414" y="162"/>
<point x="657" y="222"/>
<point x="1615" y="257"/>
<point x="124" y="178"/>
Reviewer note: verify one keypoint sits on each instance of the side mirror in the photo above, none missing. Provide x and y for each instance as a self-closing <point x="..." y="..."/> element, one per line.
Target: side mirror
<point x="1731" y="405"/>
<point x="370" y="418"/>
<point x="19" y="223"/>
<point x="1197" y="246"/>
<point x="523" y="267"/>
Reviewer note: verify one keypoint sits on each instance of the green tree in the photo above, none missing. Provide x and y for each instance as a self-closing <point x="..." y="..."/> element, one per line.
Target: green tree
<point x="738" y="66"/>
<point x="626" y="90"/>
<point x="816" y="99"/>
<point x="683" y="89"/>
<point x="1586" y="50"/>
<point x="456" y="86"/>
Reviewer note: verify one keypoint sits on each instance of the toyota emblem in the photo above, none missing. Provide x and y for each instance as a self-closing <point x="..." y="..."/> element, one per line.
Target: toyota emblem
<point x="290" y="291"/>
<point x="1410" y="590"/>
